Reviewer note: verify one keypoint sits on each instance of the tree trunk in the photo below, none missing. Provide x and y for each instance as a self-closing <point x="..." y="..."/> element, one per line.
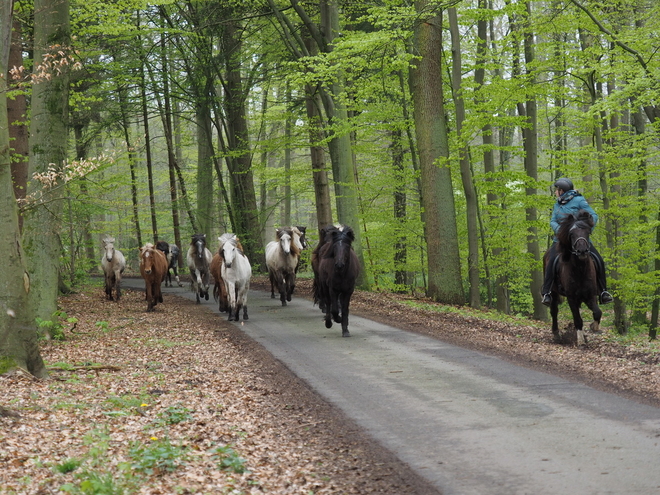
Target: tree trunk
<point x="205" y="154"/>
<point x="400" y="251"/>
<point x="48" y="145"/>
<point x="17" y="117"/>
<point x="18" y="335"/>
<point x="445" y="283"/>
<point x="465" y="165"/>
<point x="246" y="213"/>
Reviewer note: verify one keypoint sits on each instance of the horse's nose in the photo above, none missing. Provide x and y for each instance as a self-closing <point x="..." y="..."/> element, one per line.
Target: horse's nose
<point x="228" y="265"/>
<point x="148" y="272"/>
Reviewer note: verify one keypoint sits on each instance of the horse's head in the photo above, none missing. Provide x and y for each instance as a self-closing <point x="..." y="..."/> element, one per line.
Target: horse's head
<point x="299" y="235"/>
<point x="163" y="246"/>
<point x="573" y="234"/>
<point x="284" y="238"/>
<point x="147" y="258"/>
<point x="109" y="246"/>
<point x="342" y="245"/>
<point x="228" y="250"/>
<point x="199" y="243"/>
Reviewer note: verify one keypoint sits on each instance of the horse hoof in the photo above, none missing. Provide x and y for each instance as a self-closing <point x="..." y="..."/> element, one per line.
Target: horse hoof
<point x="288" y="298"/>
<point x="346" y="333"/>
<point x="581" y="340"/>
<point x="328" y="323"/>
<point x="283" y="303"/>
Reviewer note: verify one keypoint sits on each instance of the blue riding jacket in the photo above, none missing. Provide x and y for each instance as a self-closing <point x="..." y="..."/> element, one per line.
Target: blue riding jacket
<point x="569" y="203"/>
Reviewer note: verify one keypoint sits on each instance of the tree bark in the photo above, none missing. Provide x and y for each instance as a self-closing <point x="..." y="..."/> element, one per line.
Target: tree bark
<point x="18" y="334"/>
<point x="469" y="189"/>
<point x="445" y="282"/>
<point x="48" y="149"/>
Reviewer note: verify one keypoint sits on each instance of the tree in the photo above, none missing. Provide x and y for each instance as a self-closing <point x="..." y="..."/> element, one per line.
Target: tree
<point x="18" y="335"/>
<point x="445" y="280"/>
<point x="48" y="153"/>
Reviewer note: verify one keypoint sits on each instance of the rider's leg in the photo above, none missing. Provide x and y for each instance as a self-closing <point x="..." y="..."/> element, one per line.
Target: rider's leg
<point x="605" y="297"/>
<point x="549" y="276"/>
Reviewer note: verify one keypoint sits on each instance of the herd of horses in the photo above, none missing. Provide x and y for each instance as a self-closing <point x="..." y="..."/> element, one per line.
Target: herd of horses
<point x="336" y="268"/>
<point x="334" y="263"/>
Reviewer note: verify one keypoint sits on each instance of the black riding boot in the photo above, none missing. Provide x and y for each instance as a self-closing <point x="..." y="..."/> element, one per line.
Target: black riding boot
<point x="605" y="297"/>
<point x="548" y="276"/>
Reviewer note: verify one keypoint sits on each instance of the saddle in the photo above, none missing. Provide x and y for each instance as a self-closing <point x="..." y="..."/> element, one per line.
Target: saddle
<point x="555" y="269"/>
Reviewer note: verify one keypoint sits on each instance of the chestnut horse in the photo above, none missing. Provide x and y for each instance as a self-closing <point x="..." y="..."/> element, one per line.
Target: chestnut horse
<point x="113" y="264"/>
<point x="337" y="271"/>
<point x="576" y="273"/>
<point x="153" y="267"/>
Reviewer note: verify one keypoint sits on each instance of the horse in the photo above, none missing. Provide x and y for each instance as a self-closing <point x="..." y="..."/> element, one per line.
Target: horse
<point x="153" y="268"/>
<point x="219" y="288"/>
<point x="576" y="273"/>
<point x="282" y="257"/>
<point x="325" y="236"/>
<point x="199" y="259"/>
<point x="338" y="269"/>
<point x="114" y="264"/>
<point x="236" y="273"/>
<point x="300" y="240"/>
<point x="171" y="252"/>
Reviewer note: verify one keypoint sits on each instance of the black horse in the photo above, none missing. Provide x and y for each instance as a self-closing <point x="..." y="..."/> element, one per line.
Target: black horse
<point x="336" y="272"/>
<point x="575" y="273"/>
<point x="171" y="252"/>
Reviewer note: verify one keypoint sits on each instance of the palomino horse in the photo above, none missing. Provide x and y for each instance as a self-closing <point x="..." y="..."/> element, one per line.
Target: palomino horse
<point x="113" y="264"/>
<point x="576" y="274"/>
<point x="153" y="267"/>
<point x="199" y="260"/>
<point x="171" y="252"/>
<point x="282" y="257"/>
<point x="338" y="269"/>
<point x="236" y="273"/>
<point x="300" y="240"/>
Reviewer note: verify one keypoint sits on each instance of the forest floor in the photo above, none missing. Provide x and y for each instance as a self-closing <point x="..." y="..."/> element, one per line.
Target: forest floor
<point x="181" y="401"/>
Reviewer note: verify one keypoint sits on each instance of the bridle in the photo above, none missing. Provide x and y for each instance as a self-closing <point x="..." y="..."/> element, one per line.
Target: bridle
<point x="574" y="244"/>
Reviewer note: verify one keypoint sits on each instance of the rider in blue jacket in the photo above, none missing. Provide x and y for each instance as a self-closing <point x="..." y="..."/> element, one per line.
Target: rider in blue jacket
<point x="569" y="201"/>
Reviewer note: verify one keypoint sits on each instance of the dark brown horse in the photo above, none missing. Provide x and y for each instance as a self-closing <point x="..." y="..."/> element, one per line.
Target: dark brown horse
<point x="171" y="252"/>
<point x="153" y="267"/>
<point x="576" y="273"/>
<point x="337" y="269"/>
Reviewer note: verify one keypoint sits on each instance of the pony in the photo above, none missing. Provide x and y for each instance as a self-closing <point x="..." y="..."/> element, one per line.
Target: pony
<point x="236" y="273"/>
<point x="114" y="264"/>
<point x="219" y="288"/>
<point x="199" y="259"/>
<point x="300" y="240"/>
<point x="171" y="252"/>
<point x="153" y="268"/>
<point x="325" y="236"/>
<point x="338" y="269"/>
<point x="576" y="273"/>
<point x="282" y="256"/>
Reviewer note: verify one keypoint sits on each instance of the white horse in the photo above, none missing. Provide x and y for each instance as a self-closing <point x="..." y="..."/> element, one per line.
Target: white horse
<point x="282" y="257"/>
<point x="236" y="273"/>
<point x="199" y="261"/>
<point x="114" y="264"/>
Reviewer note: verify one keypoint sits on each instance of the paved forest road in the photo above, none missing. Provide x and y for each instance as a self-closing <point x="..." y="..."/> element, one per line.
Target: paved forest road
<point x="467" y="422"/>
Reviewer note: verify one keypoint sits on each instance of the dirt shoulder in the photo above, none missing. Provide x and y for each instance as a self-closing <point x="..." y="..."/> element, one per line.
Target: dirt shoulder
<point x="177" y="401"/>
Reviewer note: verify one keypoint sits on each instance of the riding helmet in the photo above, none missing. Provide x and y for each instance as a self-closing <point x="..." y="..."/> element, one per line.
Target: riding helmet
<point x="564" y="184"/>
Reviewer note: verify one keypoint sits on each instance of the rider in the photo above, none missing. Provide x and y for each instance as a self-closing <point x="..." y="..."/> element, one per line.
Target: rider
<point x="569" y="201"/>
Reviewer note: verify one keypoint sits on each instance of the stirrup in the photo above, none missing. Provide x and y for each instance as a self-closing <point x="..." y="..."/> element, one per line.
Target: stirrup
<point x="546" y="299"/>
<point x="605" y="297"/>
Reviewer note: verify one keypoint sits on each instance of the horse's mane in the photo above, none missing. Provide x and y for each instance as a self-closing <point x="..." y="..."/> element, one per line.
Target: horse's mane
<point x="231" y="238"/>
<point x="335" y="234"/>
<point x="582" y="219"/>
<point x="198" y="237"/>
<point x="295" y="250"/>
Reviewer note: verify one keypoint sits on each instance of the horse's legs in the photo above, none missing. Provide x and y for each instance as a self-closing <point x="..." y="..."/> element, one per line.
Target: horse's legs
<point x="271" y="276"/>
<point x="290" y="284"/>
<point x="231" y="296"/>
<point x="245" y="314"/>
<point x="554" y="311"/>
<point x="577" y="320"/>
<point x="334" y="299"/>
<point x="345" y="299"/>
<point x="597" y="312"/>
<point x="118" y="284"/>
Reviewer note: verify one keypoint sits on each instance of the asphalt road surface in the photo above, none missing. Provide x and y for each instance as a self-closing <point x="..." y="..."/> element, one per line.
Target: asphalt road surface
<point x="467" y="422"/>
